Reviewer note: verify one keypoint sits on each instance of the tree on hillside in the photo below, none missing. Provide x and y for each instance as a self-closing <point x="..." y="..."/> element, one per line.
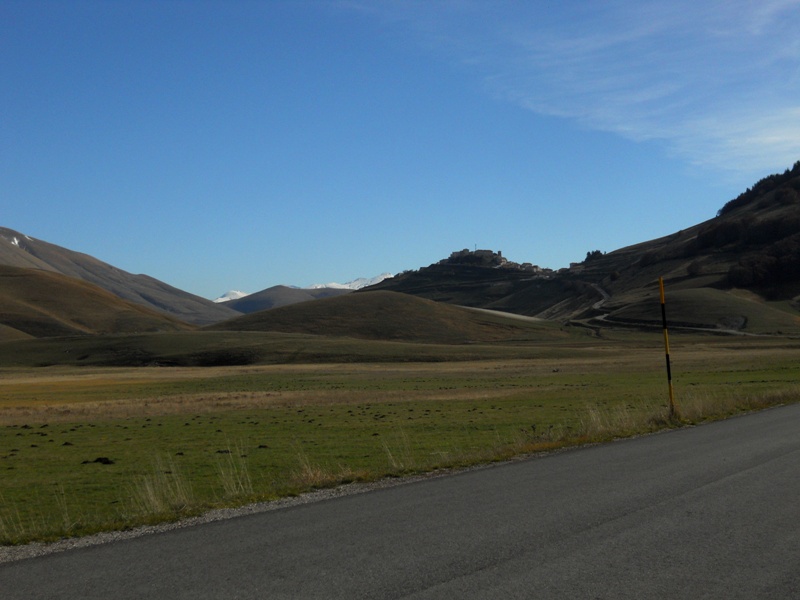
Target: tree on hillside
<point x="765" y="185"/>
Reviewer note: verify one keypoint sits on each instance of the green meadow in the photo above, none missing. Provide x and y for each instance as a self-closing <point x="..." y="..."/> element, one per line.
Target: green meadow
<point x="86" y="449"/>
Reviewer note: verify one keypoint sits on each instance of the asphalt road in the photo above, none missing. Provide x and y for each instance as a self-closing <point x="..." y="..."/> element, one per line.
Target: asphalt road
<point x="705" y="512"/>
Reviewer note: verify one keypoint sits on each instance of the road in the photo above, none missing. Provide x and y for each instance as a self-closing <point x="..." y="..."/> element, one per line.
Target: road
<point x="703" y="512"/>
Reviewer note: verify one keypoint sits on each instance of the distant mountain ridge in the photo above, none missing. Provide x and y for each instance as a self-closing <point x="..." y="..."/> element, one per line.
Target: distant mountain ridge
<point x="356" y="284"/>
<point x="281" y="295"/>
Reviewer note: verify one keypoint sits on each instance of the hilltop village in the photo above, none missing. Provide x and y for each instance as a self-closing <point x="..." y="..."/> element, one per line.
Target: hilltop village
<point x="490" y="258"/>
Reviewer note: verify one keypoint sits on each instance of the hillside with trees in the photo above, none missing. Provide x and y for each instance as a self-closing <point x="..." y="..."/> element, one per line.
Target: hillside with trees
<point x="750" y="249"/>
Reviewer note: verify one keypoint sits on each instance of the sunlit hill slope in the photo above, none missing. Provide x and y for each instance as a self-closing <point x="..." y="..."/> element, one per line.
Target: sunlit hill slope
<point x="36" y="303"/>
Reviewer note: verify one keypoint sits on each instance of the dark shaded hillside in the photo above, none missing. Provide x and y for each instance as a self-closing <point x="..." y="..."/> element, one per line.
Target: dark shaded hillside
<point x="382" y="315"/>
<point x="40" y="303"/>
<point x="752" y="245"/>
<point x="19" y="250"/>
<point x="465" y="285"/>
<point x="480" y="279"/>
<point x="281" y="295"/>
<point x="508" y="288"/>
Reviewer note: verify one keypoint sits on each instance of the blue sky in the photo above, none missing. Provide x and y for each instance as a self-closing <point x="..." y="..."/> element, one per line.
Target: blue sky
<point x="240" y="145"/>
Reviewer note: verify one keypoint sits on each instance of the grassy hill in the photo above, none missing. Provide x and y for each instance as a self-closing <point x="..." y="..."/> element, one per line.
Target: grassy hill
<point x="710" y="308"/>
<point x="381" y="315"/>
<point x="19" y="250"/>
<point x="40" y="303"/>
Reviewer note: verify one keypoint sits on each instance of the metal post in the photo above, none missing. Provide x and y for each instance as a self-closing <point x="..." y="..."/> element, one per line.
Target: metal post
<point x="672" y="411"/>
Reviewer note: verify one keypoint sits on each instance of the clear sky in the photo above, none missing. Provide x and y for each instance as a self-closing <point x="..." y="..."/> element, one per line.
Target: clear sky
<point x="221" y="145"/>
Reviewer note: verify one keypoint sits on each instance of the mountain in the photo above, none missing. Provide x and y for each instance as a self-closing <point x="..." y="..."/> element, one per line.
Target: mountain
<point x="356" y="284"/>
<point x="737" y="271"/>
<point x="281" y="295"/>
<point x="381" y="315"/>
<point x="20" y="250"/>
<point x="39" y="303"/>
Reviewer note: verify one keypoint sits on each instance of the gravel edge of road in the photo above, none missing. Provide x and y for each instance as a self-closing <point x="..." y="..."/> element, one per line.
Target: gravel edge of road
<point x="36" y="549"/>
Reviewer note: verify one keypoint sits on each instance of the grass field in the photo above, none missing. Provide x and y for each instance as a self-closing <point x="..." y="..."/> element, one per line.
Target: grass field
<point x="84" y="449"/>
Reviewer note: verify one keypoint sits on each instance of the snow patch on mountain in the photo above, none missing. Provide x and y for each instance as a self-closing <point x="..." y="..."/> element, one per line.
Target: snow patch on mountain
<point x="232" y="295"/>
<point x="13" y="239"/>
<point x="356" y="284"/>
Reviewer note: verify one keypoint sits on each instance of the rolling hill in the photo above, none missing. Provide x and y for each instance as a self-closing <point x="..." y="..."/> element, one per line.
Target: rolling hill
<point x="381" y="315"/>
<point x="36" y="303"/>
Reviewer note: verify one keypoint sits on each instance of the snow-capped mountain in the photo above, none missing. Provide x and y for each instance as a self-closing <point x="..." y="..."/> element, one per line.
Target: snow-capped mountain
<point x="232" y="295"/>
<point x="356" y="284"/>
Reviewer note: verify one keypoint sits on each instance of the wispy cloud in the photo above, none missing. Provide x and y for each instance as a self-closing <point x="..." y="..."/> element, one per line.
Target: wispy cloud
<point x="716" y="81"/>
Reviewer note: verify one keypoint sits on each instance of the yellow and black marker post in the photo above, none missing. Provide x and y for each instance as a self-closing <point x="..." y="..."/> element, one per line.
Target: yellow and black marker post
<point x="672" y="410"/>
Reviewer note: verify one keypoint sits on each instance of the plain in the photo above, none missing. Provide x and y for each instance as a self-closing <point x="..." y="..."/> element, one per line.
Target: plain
<point x="85" y="449"/>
